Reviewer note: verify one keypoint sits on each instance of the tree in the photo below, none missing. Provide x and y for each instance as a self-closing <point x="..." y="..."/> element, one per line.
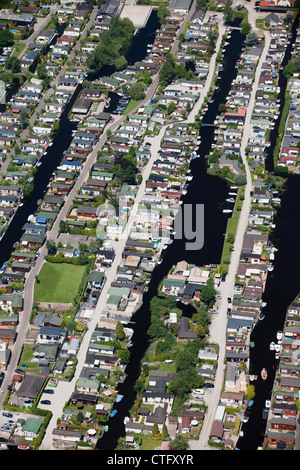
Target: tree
<point x="164" y="433"/>
<point x="240" y="180"/>
<point x="51" y="247"/>
<point x="121" y="63"/>
<point x="167" y="71"/>
<point x="228" y="14"/>
<point x="171" y="107"/>
<point x="208" y="292"/>
<point x="137" y="91"/>
<point x="120" y="331"/>
<point x="179" y="443"/>
<point x="251" y="38"/>
<point x="6" y="38"/>
<point x="14" y="64"/>
<point x="124" y="355"/>
<point x="155" y="432"/>
<point x="41" y="71"/>
<point x="245" y="27"/>
<point x="162" y="12"/>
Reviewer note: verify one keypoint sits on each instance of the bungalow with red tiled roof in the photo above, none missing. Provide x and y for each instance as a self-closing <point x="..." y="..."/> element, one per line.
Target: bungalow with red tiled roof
<point x="237" y="117"/>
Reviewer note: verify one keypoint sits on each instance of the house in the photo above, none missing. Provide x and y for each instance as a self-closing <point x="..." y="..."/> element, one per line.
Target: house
<point x="31" y="386"/>
<point x="217" y="430"/>
<point x="49" y="335"/>
<point x="180" y="6"/>
<point x="96" y="280"/>
<point x="184" y="333"/>
<point x="31" y="428"/>
<point x="82" y="106"/>
<point x="66" y="437"/>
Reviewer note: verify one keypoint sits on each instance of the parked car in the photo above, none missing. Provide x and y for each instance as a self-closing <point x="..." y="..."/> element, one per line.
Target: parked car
<point x="7" y="415"/>
<point x="209" y="385"/>
<point x="229" y="300"/>
<point x="48" y="390"/>
<point x="46" y="402"/>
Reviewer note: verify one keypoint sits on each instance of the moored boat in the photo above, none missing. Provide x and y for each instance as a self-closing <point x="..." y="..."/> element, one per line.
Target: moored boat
<point x="264" y="374"/>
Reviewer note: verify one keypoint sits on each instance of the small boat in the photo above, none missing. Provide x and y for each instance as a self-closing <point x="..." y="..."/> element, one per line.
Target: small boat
<point x="270" y="267"/>
<point x="272" y="346"/>
<point x="39" y="201"/>
<point x="250" y="403"/>
<point x="264" y="374"/>
<point x="252" y="344"/>
<point x="225" y="211"/>
<point x="106" y="428"/>
<point x="261" y="316"/>
<point x="119" y="398"/>
<point x="229" y="199"/>
<point x="279" y="335"/>
<point x="252" y="377"/>
<point x="245" y="419"/>
<point x="267" y="403"/>
<point x="113" y="413"/>
<point x="277" y="348"/>
<point x="265" y="413"/>
<point x="38" y="163"/>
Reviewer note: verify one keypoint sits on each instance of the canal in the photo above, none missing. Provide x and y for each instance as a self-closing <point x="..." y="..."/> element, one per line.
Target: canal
<point x="283" y="284"/>
<point x="205" y="189"/>
<point x="61" y="142"/>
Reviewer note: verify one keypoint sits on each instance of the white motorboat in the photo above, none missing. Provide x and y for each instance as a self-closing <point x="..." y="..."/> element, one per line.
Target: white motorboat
<point x="279" y="335"/>
<point x="272" y="346"/>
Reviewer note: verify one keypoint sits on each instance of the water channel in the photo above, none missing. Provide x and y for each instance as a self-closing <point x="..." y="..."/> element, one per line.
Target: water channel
<point x="205" y="189"/>
<point x="283" y="284"/>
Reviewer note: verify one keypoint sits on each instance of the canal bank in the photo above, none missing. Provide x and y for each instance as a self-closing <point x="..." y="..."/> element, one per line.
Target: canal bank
<point x="205" y="189"/>
<point x="281" y="288"/>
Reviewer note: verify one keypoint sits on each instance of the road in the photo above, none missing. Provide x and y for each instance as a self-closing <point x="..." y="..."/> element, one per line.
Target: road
<point x="219" y="322"/>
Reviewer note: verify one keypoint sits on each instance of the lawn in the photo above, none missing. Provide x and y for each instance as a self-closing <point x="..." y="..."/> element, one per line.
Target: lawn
<point x="58" y="282"/>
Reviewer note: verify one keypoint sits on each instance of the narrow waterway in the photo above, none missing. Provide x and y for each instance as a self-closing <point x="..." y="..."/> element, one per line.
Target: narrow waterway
<point x="283" y="284"/>
<point x="205" y="189"/>
<point x="61" y="142"/>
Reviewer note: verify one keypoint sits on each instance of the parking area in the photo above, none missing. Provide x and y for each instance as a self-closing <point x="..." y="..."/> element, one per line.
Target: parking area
<point x="9" y="421"/>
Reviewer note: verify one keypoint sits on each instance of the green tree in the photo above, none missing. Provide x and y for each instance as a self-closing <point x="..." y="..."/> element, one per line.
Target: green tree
<point x="167" y="71"/>
<point x="228" y="14"/>
<point x="179" y="443"/>
<point x="245" y="27"/>
<point x="14" y="64"/>
<point x="251" y="38"/>
<point x="208" y="292"/>
<point x="6" y="38"/>
<point x="171" y="107"/>
<point x="137" y="91"/>
<point x="51" y="247"/>
<point x="155" y="432"/>
<point x="164" y="433"/>
<point x="162" y="12"/>
<point x="120" y="331"/>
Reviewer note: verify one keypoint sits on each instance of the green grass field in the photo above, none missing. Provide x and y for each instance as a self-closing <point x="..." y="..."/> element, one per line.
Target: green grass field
<point x="58" y="282"/>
